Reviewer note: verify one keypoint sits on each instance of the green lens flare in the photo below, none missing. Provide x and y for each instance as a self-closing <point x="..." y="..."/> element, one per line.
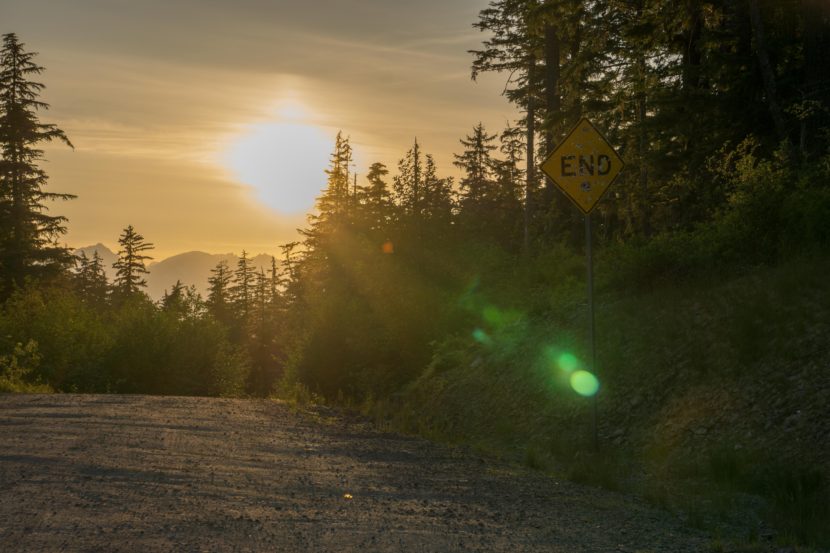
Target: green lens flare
<point x="584" y="383"/>
<point x="481" y="337"/>
<point x="493" y="316"/>
<point x="568" y="362"/>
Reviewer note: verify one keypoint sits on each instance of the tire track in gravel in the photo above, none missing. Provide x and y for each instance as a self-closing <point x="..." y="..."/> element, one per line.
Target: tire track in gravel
<point x="141" y="473"/>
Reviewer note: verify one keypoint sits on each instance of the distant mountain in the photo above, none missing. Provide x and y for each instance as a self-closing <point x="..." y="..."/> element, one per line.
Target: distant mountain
<point x="191" y="268"/>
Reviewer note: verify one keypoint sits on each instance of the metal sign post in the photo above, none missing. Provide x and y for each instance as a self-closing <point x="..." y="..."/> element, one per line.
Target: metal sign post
<point x="583" y="167"/>
<point x="589" y="258"/>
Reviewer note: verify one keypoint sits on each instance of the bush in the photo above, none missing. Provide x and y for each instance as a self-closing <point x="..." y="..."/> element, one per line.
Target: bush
<point x="159" y="352"/>
<point x="133" y="347"/>
<point x="17" y="368"/>
<point x="72" y="339"/>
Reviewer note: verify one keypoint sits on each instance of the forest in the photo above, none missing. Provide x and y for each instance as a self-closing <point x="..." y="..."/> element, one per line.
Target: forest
<point x="437" y="303"/>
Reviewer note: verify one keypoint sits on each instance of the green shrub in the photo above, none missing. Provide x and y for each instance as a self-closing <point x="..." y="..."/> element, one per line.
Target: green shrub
<point x="72" y="338"/>
<point x="17" y="369"/>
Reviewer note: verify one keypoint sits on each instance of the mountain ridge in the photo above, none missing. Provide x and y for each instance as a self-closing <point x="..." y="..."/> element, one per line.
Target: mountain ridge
<point x="191" y="268"/>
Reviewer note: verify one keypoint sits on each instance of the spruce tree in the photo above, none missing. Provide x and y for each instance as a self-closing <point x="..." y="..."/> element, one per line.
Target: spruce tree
<point x="291" y="261"/>
<point x="477" y="187"/>
<point x="219" y="293"/>
<point x="242" y="290"/>
<point x="261" y="298"/>
<point x="516" y="47"/>
<point x="438" y="197"/>
<point x="174" y="301"/>
<point x="335" y="204"/>
<point x="421" y="196"/>
<point x="274" y="282"/>
<point x="408" y="183"/>
<point x="375" y="200"/>
<point x="131" y="263"/>
<point x="91" y="280"/>
<point x="28" y="235"/>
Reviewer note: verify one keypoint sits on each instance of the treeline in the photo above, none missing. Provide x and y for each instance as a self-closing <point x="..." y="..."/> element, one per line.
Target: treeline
<point x="720" y="110"/>
<point x="64" y="327"/>
<point x="79" y="332"/>
<point x="675" y="86"/>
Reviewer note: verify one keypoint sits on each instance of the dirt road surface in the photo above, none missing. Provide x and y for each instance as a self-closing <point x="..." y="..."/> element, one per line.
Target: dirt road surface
<point x="138" y="473"/>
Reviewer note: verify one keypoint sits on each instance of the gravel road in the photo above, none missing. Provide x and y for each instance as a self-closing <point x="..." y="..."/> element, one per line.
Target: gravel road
<point x="139" y="473"/>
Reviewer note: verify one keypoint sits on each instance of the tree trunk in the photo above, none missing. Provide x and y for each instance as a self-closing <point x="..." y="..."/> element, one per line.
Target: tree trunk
<point x="553" y="99"/>
<point x="642" y="146"/>
<point x="766" y="69"/>
<point x="692" y="58"/>
<point x="815" y="15"/>
<point x="531" y="164"/>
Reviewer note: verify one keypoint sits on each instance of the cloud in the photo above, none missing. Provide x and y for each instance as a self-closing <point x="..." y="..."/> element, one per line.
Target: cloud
<point x="153" y="92"/>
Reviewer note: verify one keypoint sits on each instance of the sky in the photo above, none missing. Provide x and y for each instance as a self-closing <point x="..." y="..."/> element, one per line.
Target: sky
<point x="207" y="124"/>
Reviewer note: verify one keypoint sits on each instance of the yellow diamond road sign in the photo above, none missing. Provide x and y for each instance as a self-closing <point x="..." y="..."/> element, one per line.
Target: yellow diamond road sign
<point x="583" y="166"/>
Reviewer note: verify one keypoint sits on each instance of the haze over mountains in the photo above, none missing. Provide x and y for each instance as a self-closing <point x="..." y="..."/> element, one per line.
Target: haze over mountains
<point x="191" y="268"/>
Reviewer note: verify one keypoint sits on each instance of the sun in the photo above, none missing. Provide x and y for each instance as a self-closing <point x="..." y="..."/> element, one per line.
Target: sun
<point x="284" y="161"/>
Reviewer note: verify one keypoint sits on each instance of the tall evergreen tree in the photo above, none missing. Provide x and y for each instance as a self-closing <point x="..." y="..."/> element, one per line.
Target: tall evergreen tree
<point x="335" y="200"/>
<point x="242" y="290"/>
<point x="516" y="47"/>
<point x="477" y="187"/>
<point x="183" y="302"/>
<point x="91" y="280"/>
<point x="28" y="235"/>
<point x="290" y="272"/>
<point x="421" y="196"/>
<point x="219" y="293"/>
<point x="130" y="267"/>
<point x="438" y="197"/>
<point x="274" y="282"/>
<point x="375" y="200"/>
<point x="408" y="183"/>
<point x="335" y="204"/>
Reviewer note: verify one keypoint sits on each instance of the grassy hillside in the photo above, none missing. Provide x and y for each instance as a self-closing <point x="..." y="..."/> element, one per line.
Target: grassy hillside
<point x="713" y="393"/>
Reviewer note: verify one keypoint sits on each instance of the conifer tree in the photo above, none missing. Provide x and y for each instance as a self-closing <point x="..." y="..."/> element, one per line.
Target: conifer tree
<point x="242" y="290"/>
<point x="183" y="302"/>
<point x="219" y="293"/>
<point x="289" y="254"/>
<point x="421" y="196"/>
<point x="376" y="200"/>
<point x="130" y="267"/>
<point x="477" y="187"/>
<point x="274" y="283"/>
<point x="511" y="147"/>
<point x="335" y="204"/>
<point x="260" y="297"/>
<point x="515" y="48"/>
<point x="438" y="197"/>
<point x="91" y="280"/>
<point x="408" y="183"/>
<point x="290" y="271"/>
<point x="506" y="218"/>
<point x="174" y="301"/>
<point x="28" y="235"/>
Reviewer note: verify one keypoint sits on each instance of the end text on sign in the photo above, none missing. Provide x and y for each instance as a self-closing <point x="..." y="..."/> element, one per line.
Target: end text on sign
<point x="573" y="166"/>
